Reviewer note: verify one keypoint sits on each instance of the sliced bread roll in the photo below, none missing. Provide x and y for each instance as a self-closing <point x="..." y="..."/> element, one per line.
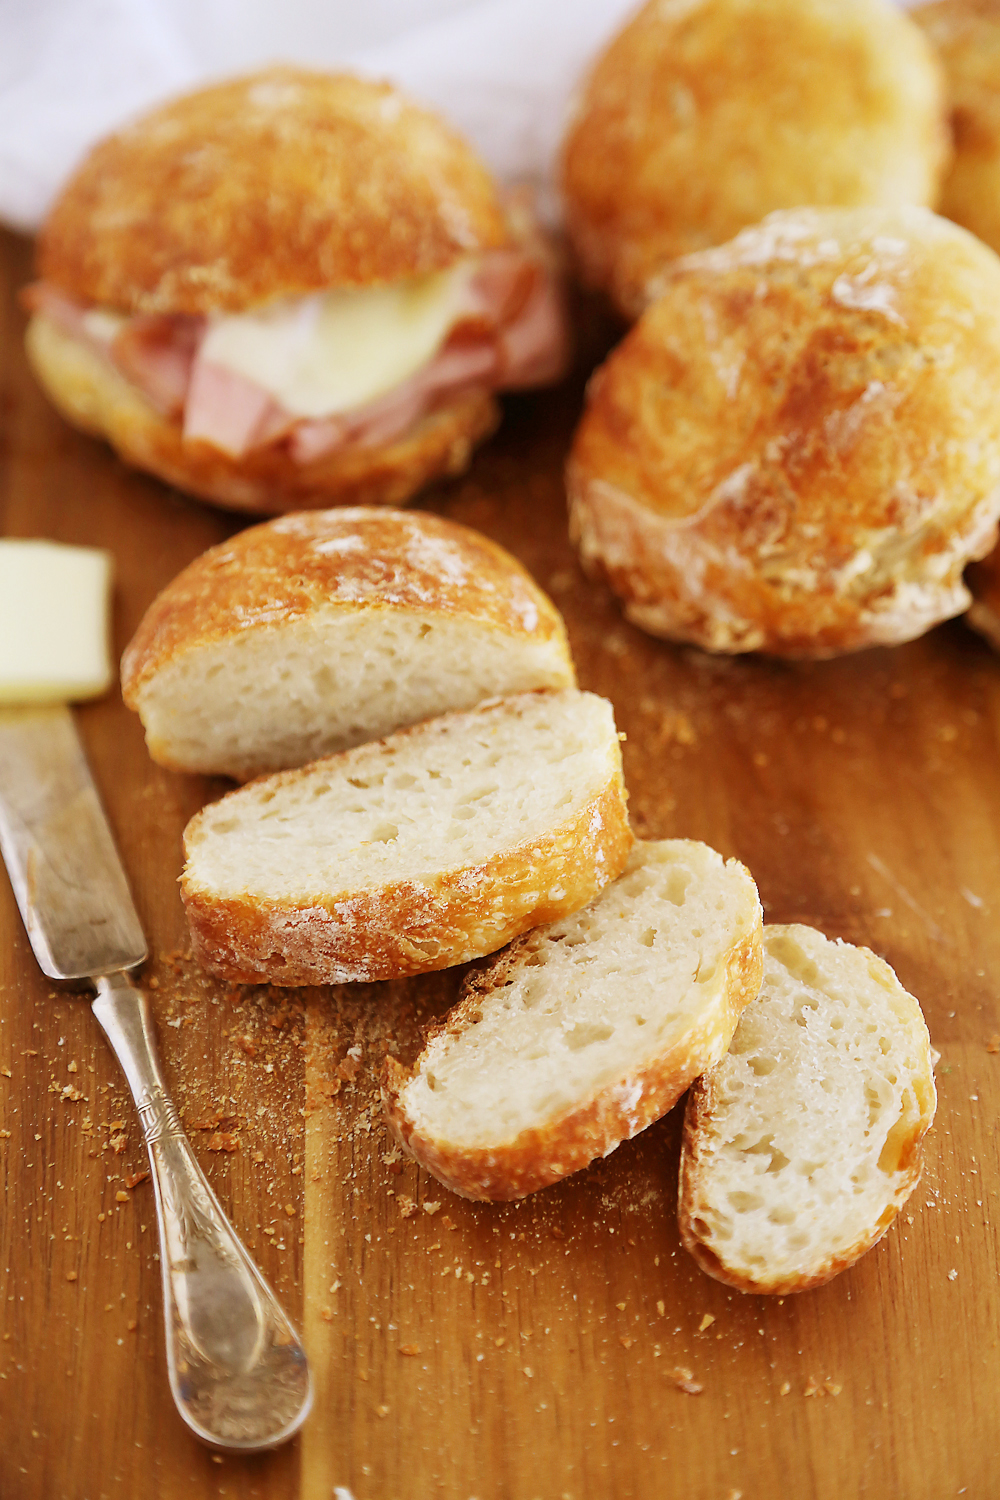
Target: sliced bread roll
<point x="431" y="847"/>
<point x="586" y="1031"/>
<point x="319" y="631"/>
<point x="803" y="1144"/>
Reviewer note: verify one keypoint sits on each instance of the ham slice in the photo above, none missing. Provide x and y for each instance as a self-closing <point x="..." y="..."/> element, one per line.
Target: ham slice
<point x="229" y="411"/>
<point x="510" y="334"/>
<point x="533" y="349"/>
<point x="157" y="354"/>
<point x="458" y="366"/>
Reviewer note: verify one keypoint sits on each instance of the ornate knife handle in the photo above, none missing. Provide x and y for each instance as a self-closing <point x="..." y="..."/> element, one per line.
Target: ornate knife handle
<point x="237" y="1368"/>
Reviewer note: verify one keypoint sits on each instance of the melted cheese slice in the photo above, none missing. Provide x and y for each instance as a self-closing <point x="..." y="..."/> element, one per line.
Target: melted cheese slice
<point x="333" y="351"/>
<point x="53" y="622"/>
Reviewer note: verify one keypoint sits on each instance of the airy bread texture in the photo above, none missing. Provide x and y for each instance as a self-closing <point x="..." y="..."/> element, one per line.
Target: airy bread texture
<point x="702" y="116"/>
<point x="274" y="185"/>
<point x="586" y="1031"/>
<point x="796" y="449"/>
<point x="319" y="631"/>
<point x="91" y="394"/>
<point x="966" y="36"/>
<point x="431" y="847"/>
<point x="803" y="1144"/>
<point x="984" y="611"/>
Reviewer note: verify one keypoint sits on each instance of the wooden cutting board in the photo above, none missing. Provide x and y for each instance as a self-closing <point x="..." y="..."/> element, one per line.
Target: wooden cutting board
<point x="564" y="1346"/>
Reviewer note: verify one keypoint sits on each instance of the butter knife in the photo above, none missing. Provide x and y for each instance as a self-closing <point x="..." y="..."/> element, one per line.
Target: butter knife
<point x="237" y="1368"/>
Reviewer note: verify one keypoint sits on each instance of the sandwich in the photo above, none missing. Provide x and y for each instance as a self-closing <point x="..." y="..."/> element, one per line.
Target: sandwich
<point x="290" y="290"/>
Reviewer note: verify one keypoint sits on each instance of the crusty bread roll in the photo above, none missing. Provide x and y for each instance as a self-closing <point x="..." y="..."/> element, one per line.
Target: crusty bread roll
<point x="202" y="264"/>
<point x="584" y="1032"/>
<point x="429" y="848"/>
<point x="703" y="116"/>
<point x="966" y="36"/>
<point x="984" y="611"/>
<point x="796" y="450"/>
<point x="318" y="631"/>
<point x="803" y="1144"/>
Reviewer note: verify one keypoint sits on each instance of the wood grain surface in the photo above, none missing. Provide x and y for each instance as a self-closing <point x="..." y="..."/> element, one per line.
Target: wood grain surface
<point x="540" y="1350"/>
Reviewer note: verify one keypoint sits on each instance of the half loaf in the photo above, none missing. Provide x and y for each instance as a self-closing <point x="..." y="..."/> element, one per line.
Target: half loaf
<point x="322" y="630"/>
<point x="431" y="847"/>
<point x="803" y="1144"/>
<point x="586" y="1031"/>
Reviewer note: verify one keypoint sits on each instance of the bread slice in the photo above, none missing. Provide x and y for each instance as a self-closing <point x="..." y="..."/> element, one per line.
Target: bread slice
<point x="319" y="631"/>
<point x="436" y="845"/>
<point x="803" y="1144"/>
<point x="586" y="1031"/>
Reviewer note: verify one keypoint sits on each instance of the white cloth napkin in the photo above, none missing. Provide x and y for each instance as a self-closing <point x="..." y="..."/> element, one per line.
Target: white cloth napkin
<point x="501" y="71"/>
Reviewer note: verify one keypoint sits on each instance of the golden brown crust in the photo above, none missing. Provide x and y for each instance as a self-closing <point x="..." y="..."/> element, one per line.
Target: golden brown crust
<point x="966" y="37"/>
<point x="409" y="928"/>
<point x="701" y="118"/>
<point x="268" y="186"/>
<point x="760" y="464"/>
<point x="272" y="574"/>
<point x="89" y="392"/>
<point x="699" y="1110"/>
<point x="617" y="1112"/>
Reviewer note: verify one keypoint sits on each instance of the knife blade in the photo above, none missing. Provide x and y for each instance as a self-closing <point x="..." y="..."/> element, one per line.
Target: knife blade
<point x="237" y="1369"/>
<point x="68" y="881"/>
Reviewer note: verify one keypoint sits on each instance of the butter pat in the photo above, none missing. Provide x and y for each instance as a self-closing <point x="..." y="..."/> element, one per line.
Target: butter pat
<point x="53" y="622"/>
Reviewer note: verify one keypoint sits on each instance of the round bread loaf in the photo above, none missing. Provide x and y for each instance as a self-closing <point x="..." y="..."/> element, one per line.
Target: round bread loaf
<point x="702" y="116"/>
<point x="241" y="200"/>
<point x="796" y="449"/>
<point x="269" y="186"/>
<point x="966" y="37"/>
<point x="320" y="631"/>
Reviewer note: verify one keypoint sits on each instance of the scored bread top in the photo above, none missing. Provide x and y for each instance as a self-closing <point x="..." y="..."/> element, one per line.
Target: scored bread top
<point x="802" y="1145"/>
<point x="585" y="1031"/>
<point x="760" y="465"/>
<point x="320" y="630"/>
<point x="704" y="116"/>
<point x="273" y="185"/>
<point x="428" y="848"/>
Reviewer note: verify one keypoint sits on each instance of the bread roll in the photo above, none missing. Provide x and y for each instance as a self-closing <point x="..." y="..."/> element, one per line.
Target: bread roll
<point x="318" y="631"/>
<point x="796" y="450"/>
<point x="803" y="1144"/>
<point x="429" y="848"/>
<point x="584" y="1032"/>
<point x="966" y="37"/>
<point x="293" y="289"/>
<point x="703" y="116"/>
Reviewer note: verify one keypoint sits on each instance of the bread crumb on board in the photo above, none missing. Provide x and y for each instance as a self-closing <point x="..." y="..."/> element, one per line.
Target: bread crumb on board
<point x="827" y="1387"/>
